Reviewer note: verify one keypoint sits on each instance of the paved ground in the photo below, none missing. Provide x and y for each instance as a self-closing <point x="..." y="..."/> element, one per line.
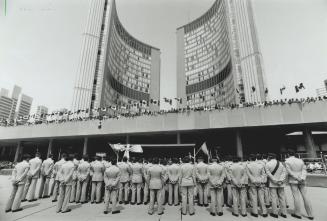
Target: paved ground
<point x="45" y="210"/>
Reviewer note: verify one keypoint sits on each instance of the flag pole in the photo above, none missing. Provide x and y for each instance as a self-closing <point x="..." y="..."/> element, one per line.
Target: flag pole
<point x="194" y="155"/>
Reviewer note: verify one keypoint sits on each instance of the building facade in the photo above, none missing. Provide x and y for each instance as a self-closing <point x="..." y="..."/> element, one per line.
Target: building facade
<point x="115" y="68"/>
<point x="41" y="112"/>
<point x="24" y="106"/>
<point x="322" y="91"/>
<point x="8" y="104"/>
<point x="218" y="59"/>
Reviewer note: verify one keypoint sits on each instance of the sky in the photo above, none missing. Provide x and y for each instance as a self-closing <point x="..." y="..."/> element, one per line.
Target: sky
<point x="40" y="43"/>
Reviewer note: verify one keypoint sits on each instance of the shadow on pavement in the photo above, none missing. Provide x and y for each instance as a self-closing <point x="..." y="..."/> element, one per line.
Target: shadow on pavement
<point x="30" y="205"/>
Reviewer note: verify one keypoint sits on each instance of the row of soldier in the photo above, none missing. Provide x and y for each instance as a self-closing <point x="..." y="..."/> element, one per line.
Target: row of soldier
<point x="257" y="182"/>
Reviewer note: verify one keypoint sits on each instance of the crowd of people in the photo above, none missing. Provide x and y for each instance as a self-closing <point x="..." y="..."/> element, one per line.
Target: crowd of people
<point x="116" y="112"/>
<point x="256" y="184"/>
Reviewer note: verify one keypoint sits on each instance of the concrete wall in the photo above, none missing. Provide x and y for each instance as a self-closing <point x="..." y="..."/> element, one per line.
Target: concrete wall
<point x="242" y="117"/>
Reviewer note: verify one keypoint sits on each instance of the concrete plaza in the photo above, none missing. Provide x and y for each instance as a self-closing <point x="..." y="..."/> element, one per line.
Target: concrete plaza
<point x="44" y="209"/>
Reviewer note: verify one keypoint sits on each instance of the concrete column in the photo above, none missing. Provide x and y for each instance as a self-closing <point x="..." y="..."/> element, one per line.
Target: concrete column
<point x="18" y="151"/>
<point x="86" y="139"/>
<point x="239" y="146"/>
<point x="178" y="138"/>
<point x="50" y="147"/>
<point x="309" y="143"/>
<point x="127" y="139"/>
<point x="3" y="151"/>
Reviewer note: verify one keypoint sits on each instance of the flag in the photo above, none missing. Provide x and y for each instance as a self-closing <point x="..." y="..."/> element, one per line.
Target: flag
<point x="117" y="147"/>
<point x="136" y="148"/>
<point x="204" y="149"/>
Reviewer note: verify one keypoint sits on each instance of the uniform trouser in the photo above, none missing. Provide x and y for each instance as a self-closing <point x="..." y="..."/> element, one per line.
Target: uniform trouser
<point x="163" y="194"/>
<point x="216" y="205"/>
<point x="55" y="189"/>
<point x="229" y="194"/>
<point x="239" y="197"/>
<point x="187" y="196"/>
<point x="73" y="192"/>
<point x="155" y="193"/>
<point x="278" y="198"/>
<point x="297" y="191"/>
<point x="96" y="191"/>
<point x="173" y="193"/>
<point x="41" y="188"/>
<point x="255" y="194"/>
<point x="31" y="191"/>
<point x="203" y="193"/>
<point x="26" y="187"/>
<point x="145" y="192"/>
<point x="136" y="192"/>
<point x="64" y="195"/>
<point x="267" y="196"/>
<point x="123" y="186"/>
<point x="111" y="196"/>
<point x="81" y="191"/>
<point x="46" y="187"/>
<point x="15" y="197"/>
<point x="52" y="187"/>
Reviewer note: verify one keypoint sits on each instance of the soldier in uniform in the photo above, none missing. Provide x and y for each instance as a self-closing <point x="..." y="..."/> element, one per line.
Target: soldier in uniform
<point x="74" y="183"/>
<point x="163" y="164"/>
<point x="156" y="177"/>
<point x="136" y="180"/>
<point x="83" y="177"/>
<point x="228" y="187"/>
<point x="201" y="172"/>
<point x="32" y="177"/>
<point x="57" y="177"/>
<point x="173" y="178"/>
<point x="297" y="173"/>
<point x="216" y="176"/>
<point x="237" y="174"/>
<point x="125" y="170"/>
<point x="187" y="182"/>
<point x="276" y="173"/>
<point x="111" y="180"/>
<point x="46" y="172"/>
<point x="97" y="170"/>
<point x="146" y="165"/>
<point x="66" y="180"/>
<point x="257" y="182"/>
<point x="18" y="179"/>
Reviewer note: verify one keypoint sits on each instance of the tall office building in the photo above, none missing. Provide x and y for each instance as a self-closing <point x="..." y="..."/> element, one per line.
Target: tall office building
<point x="8" y="103"/>
<point x="115" y="68"/>
<point x="24" y="106"/>
<point x="218" y="58"/>
<point x="41" y="111"/>
<point x="322" y="91"/>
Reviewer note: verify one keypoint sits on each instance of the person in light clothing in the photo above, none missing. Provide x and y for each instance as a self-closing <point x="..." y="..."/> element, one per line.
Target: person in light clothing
<point x="201" y="172"/>
<point x="57" y="177"/>
<point x="46" y="172"/>
<point x="97" y="169"/>
<point x="125" y="170"/>
<point x="83" y="177"/>
<point x="173" y="177"/>
<point x="136" y="180"/>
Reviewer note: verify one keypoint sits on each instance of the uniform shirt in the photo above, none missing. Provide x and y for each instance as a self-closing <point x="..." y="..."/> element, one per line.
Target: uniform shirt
<point x="35" y="167"/>
<point x="201" y="172"/>
<point x="216" y="174"/>
<point x="125" y="170"/>
<point x="137" y="170"/>
<point x="280" y="174"/>
<point x="97" y="169"/>
<point x="156" y="176"/>
<point x="173" y="173"/>
<point x="112" y="176"/>
<point x="296" y="169"/>
<point x="66" y="171"/>
<point x="57" y="168"/>
<point x="106" y="164"/>
<point x="47" y="167"/>
<point x="19" y="174"/>
<point x="237" y="173"/>
<point x="256" y="173"/>
<point x="83" y="170"/>
<point x="76" y="163"/>
<point x="187" y="175"/>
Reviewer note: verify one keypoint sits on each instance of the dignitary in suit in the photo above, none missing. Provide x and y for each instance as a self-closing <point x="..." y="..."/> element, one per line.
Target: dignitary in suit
<point x="125" y="170"/>
<point x="187" y="183"/>
<point x="32" y="177"/>
<point x="173" y="171"/>
<point x="201" y="173"/>
<point x="276" y="173"/>
<point x="257" y="182"/>
<point x="156" y="177"/>
<point x="66" y="181"/>
<point x="136" y="180"/>
<point x="216" y="176"/>
<point x="97" y="169"/>
<point x="57" y="177"/>
<point x="74" y="184"/>
<point x="296" y="177"/>
<point x="46" y="172"/>
<point x="18" y="179"/>
<point x="111" y="180"/>
<point x="239" y="180"/>
<point x="83" y="177"/>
